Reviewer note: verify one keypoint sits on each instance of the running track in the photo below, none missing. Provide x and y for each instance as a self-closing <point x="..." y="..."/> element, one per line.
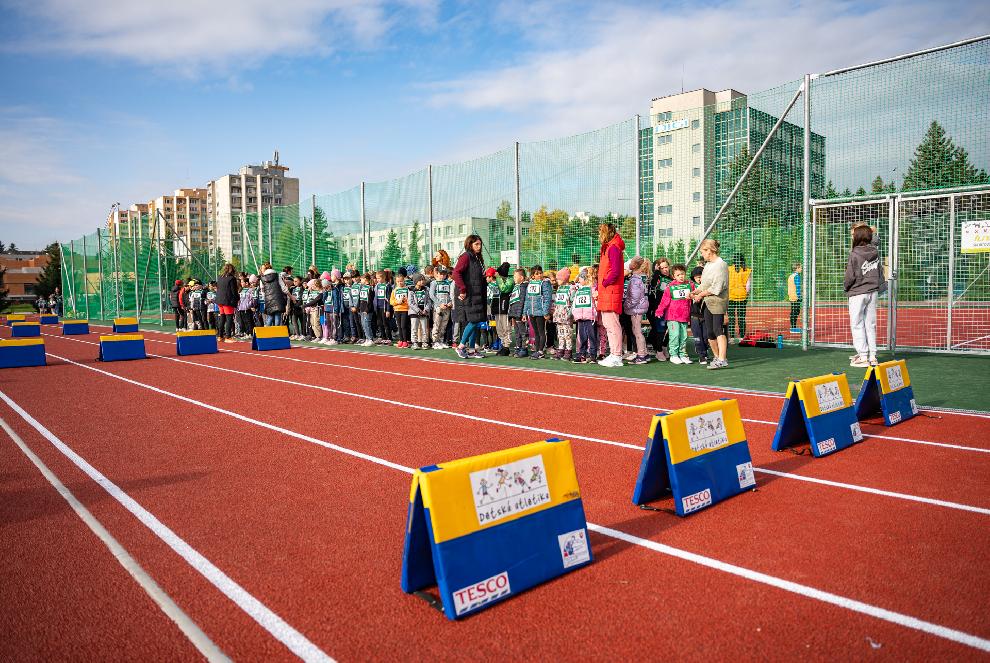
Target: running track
<point x="269" y="503"/>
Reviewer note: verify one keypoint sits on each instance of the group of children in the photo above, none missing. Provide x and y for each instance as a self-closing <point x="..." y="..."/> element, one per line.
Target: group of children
<point x="532" y="313"/>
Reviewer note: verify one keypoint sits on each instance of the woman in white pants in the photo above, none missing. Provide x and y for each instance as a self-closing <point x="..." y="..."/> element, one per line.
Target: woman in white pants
<point x="862" y="285"/>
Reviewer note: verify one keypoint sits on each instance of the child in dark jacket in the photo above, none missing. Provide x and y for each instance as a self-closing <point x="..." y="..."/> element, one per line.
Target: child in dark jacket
<point x="420" y="309"/>
<point x="539" y="295"/>
<point x="381" y="297"/>
<point x="331" y="311"/>
<point x="517" y="299"/>
<point x="698" y="332"/>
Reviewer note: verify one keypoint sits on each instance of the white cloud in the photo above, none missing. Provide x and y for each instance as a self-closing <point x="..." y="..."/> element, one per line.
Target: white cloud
<point x="615" y="59"/>
<point x="191" y="35"/>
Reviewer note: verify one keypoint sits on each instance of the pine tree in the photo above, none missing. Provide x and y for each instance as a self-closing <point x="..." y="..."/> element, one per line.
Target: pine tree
<point x="3" y="247"/>
<point x="877" y="186"/>
<point x="860" y="191"/>
<point x="938" y="163"/>
<point x="415" y="242"/>
<point x="830" y="191"/>
<point x="12" y="248"/>
<point x="51" y="275"/>
<point x="392" y="253"/>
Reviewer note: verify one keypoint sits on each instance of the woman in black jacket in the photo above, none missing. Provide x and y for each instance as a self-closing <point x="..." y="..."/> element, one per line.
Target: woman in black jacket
<point x="472" y="297"/>
<point x="228" y="289"/>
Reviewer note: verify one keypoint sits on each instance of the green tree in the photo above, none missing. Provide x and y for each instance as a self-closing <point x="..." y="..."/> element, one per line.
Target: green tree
<point x="939" y="163"/>
<point x="3" y="247"/>
<point x="830" y="191"/>
<point x="51" y="275"/>
<point x="878" y="186"/>
<point x="392" y="253"/>
<point x="12" y="248"/>
<point x="415" y="244"/>
<point x="860" y="191"/>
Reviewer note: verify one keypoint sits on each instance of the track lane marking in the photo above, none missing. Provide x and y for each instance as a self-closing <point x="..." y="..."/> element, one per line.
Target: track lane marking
<point x="295" y="641"/>
<point x="556" y="433"/>
<point x="195" y="635"/>
<point x="807" y="591"/>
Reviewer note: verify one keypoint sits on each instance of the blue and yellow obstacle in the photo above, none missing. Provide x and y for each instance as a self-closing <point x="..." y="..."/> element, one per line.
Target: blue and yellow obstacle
<point x="48" y="319"/>
<point x="698" y="453"/>
<point x="15" y="317"/>
<point x="19" y="352"/>
<point x="271" y="338"/>
<point x="75" y="327"/>
<point x="25" y="329"/>
<point x="818" y="411"/>
<point x="196" y="342"/>
<point x="887" y="390"/>
<point x="125" y="325"/>
<point x="122" y="347"/>
<point x="485" y="528"/>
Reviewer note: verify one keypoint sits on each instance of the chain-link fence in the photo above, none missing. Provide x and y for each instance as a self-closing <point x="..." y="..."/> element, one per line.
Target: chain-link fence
<point x="778" y="177"/>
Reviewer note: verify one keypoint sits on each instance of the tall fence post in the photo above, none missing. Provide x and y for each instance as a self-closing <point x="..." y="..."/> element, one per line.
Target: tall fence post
<point x="639" y="184"/>
<point x="952" y="271"/>
<point x="806" y="208"/>
<point x="271" y="254"/>
<point x="85" y="278"/>
<point x="313" y="229"/>
<point x="429" y="196"/>
<point x="518" y="229"/>
<point x="72" y="274"/>
<point x="162" y="281"/>
<point x="364" y="232"/>
<point x="99" y="266"/>
<point x="892" y="224"/>
<point x="137" y="283"/>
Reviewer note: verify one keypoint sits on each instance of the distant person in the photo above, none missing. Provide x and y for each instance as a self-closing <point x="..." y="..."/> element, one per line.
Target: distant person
<point x="227" y="297"/>
<point x="862" y="285"/>
<point x="714" y="292"/>
<point x="470" y="303"/>
<point x="740" y="284"/>
<point x="794" y="296"/>
<point x="274" y="294"/>
<point x="610" y="282"/>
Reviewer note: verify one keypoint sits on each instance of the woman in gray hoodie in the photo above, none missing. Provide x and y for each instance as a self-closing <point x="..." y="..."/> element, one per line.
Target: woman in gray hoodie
<point x="862" y="284"/>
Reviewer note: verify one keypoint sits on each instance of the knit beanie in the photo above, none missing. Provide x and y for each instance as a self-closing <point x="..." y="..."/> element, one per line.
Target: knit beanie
<point x="697" y="271"/>
<point x="253" y="278"/>
<point x="503" y="270"/>
<point x="335" y="274"/>
<point x="564" y="275"/>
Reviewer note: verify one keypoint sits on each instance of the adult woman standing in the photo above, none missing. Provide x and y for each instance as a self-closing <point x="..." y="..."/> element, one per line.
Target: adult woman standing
<point x="472" y="295"/>
<point x="862" y="284"/>
<point x="228" y="289"/>
<point x="610" y="290"/>
<point x="740" y="284"/>
<point x="714" y="289"/>
<point x="275" y="294"/>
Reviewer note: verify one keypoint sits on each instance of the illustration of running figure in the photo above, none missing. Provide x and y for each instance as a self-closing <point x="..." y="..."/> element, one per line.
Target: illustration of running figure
<point x="537" y="476"/>
<point x="503" y="479"/>
<point x="483" y="490"/>
<point x="520" y="481"/>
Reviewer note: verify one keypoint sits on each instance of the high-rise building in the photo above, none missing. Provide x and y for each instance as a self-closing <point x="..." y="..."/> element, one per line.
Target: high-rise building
<point x="693" y="146"/>
<point x="231" y="198"/>
<point x="183" y="219"/>
<point x="127" y="223"/>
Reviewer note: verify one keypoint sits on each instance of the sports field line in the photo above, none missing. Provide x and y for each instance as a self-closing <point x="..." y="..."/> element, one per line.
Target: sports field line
<point x="210" y="651"/>
<point x="481" y="385"/>
<point x="806" y="591"/>
<point x="279" y="629"/>
<point x="560" y="434"/>
<point x="590" y="376"/>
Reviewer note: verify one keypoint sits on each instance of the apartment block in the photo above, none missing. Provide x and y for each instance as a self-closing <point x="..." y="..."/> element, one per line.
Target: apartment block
<point x="182" y="218"/>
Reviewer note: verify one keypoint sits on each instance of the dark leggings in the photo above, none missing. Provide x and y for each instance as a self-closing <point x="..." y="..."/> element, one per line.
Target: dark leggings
<point x="714" y="324"/>
<point x="737" y="318"/>
<point x="180" y="318"/>
<point x="247" y="322"/>
<point x="625" y="322"/>
<point x="795" y="313"/>
<point x="699" y="336"/>
<point x="402" y="321"/>
<point x="383" y="331"/>
<point x="587" y="339"/>
<point x="539" y="332"/>
<point x="226" y="329"/>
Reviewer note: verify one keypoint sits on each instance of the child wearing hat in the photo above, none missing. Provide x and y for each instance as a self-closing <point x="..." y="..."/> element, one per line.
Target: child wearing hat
<point x="442" y="297"/>
<point x="584" y="312"/>
<point x="500" y="309"/>
<point x="419" y="314"/>
<point x="561" y="313"/>
<point x="536" y="308"/>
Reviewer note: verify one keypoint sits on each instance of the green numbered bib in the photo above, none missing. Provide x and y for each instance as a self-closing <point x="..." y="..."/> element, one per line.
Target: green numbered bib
<point x="380" y="290"/>
<point x="680" y="291"/>
<point x="493" y="291"/>
<point x="364" y="292"/>
<point x="420" y="297"/>
<point x="515" y="296"/>
<point x="534" y="289"/>
<point x="582" y="298"/>
<point x="444" y="287"/>
<point x="400" y="294"/>
<point x="561" y="296"/>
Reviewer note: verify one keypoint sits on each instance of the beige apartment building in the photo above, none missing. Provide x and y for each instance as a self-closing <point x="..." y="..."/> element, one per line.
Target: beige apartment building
<point x="127" y="223"/>
<point x="231" y="198"/>
<point x="183" y="215"/>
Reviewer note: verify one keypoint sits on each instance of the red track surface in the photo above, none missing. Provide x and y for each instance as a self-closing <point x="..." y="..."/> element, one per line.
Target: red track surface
<point x="316" y="535"/>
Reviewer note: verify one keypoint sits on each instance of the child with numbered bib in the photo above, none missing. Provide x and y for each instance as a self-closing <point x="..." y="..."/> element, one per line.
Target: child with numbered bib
<point x="675" y="306"/>
<point x="584" y="312"/>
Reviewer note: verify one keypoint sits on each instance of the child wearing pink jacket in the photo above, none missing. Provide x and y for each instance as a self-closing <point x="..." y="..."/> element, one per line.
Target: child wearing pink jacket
<point x="584" y="312"/>
<point x="676" y="307"/>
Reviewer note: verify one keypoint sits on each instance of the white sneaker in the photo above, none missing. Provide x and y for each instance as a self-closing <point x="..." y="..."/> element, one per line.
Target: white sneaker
<point x="368" y="343"/>
<point x="660" y="357"/>
<point x="629" y="356"/>
<point x="331" y="341"/>
<point x="860" y="362"/>
<point x="685" y="360"/>
<point x="611" y="361"/>
<point x="674" y="360"/>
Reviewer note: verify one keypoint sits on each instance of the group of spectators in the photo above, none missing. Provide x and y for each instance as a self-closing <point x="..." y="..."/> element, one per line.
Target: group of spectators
<point x="50" y="304"/>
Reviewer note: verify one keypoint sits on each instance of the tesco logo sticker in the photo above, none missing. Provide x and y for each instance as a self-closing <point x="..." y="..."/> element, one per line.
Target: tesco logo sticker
<point x="696" y="501"/>
<point x="826" y="446"/>
<point x="480" y="593"/>
<point x="895" y="417"/>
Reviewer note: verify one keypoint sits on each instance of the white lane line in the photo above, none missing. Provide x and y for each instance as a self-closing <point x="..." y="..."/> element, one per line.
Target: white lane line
<point x="195" y="635"/>
<point x="554" y="433"/>
<point x="944" y="445"/>
<point x="295" y="641"/>
<point x="806" y="591"/>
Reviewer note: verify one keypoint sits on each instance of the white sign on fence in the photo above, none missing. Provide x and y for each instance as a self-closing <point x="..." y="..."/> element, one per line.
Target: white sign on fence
<point x="976" y="237"/>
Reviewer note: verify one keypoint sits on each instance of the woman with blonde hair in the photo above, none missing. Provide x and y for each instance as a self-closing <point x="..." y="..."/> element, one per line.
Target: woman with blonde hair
<point x="610" y="283"/>
<point x="714" y="290"/>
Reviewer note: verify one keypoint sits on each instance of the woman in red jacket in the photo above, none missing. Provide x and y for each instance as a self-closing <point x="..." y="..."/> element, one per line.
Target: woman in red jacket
<point x="610" y="280"/>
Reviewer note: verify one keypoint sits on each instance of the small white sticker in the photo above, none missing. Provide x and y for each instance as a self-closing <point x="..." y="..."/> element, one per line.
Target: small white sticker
<point x="505" y="490"/>
<point x="914" y="407"/>
<point x="829" y="396"/>
<point x="745" y="475"/>
<point x="480" y="593"/>
<point x="894" y="378"/>
<point x="706" y="431"/>
<point x="573" y="548"/>
<point x="696" y="501"/>
<point x="895" y="417"/>
<point x="856" y="431"/>
<point x="826" y="446"/>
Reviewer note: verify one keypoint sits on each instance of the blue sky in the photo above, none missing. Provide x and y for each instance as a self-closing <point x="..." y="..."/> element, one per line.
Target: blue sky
<point x="109" y="101"/>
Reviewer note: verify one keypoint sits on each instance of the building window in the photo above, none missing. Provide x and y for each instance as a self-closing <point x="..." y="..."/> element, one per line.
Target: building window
<point x="665" y="186"/>
<point x="696" y="148"/>
<point x="695" y="172"/>
<point x="696" y="196"/>
<point x="665" y="209"/>
<point x="664" y="163"/>
<point x="695" y="124"/>
<point x="665" y="232"/>
<point x="462" y="228"/>
<point x="664" y="117"/>
<point x="664" y="139"/>
<point x="696" y="220"/>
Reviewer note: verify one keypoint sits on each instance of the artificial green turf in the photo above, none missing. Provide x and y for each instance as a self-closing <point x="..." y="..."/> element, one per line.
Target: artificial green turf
<point x="939" y="380"/>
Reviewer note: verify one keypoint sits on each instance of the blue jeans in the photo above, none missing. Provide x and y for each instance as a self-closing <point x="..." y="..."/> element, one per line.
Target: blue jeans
<point x="273" y="319"/>
<point x="700" y="337"/>
<point x="470" y="335"/>
<point x="366" y="325"/>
